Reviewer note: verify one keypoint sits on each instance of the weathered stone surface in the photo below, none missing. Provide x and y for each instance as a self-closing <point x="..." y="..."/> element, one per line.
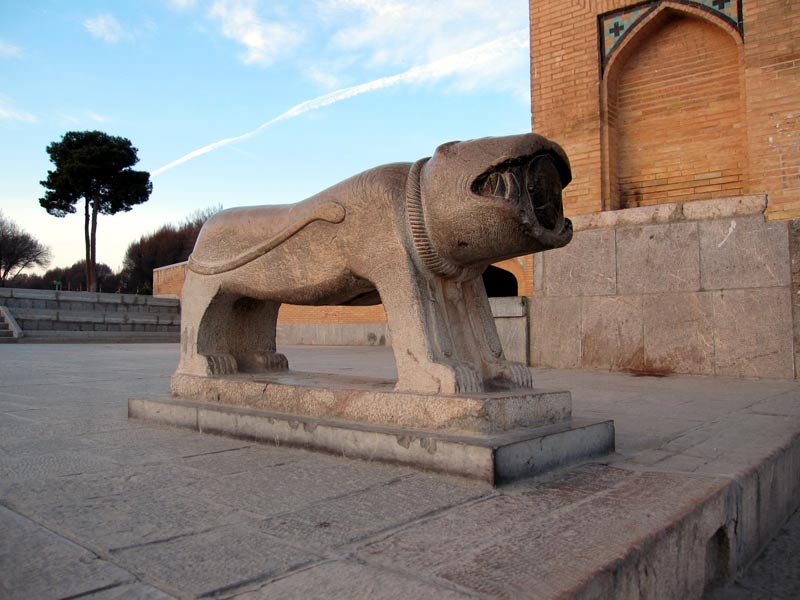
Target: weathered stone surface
<point x="509" y="307"/>
<point x="700" y="210"/>
<point x="725" y="208"/>
<point x="337" y="334"/>
<point x="213" y="560"/>
<point x="679" y="333"/>
<point x="131" y="591"/>
<point x="612" y="333"/>
<point x="744" y="252"/>
<point x="643" y="215"/>
<point x="775" y="574"/>
<point x="491" y="458"/>
<point x="601" y="531"/>
<point x="37" y="563"/>
<point x="658" y="258"/>
<point x="505" y="553"/>
<point x="127" y="520"/>
<point x="416" y="237"/>
<point x="794" y="261"/>
<point x="556" y="332"/>
<point x="375" y="402"/>
<point x="354" y="517"/>
<point x="26" y="467"/>
<point x="513" y="333"/>
<point x="753" y="333"/>
<point x="293" y="485"/>
<point x="586" y="267"/>
<point x="347" y="579"/>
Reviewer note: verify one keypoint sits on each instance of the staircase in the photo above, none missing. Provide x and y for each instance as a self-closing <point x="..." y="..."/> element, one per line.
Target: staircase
<point x="6" y="336"/>
<point x="52" y="316"/>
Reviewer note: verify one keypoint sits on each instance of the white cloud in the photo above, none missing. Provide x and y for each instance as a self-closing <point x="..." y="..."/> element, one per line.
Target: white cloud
<point x="323" y="77"/>
<point x="96" y="117"/>
<point x="69" y="119"/>
<point x="107" y="28"/>
<point x="8" y="113"/>
<point x="181" y="4"/>
<point x="410" y="31"/>
<point x="447" y="66"/>
<point x="263" y="40"/>
<point x="8" y="50"/>
<point x="400" y="33"/>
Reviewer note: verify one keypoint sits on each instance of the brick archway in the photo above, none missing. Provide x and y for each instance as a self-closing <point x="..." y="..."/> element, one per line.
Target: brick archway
<point x="673" y="112"/>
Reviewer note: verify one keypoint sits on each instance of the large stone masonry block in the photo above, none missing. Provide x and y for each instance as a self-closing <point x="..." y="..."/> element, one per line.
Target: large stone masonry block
<point x="556" y="332"/>
<point x="753" y="333"/>
<point x="658" y="258"/>
<point x="794" y="253"/>
<point x="511" y="319"/>
<point x="612" y="333"/>
<point x="744" y="252"/>
<point x="679" y="333"/>
<point x="586" y="266"/>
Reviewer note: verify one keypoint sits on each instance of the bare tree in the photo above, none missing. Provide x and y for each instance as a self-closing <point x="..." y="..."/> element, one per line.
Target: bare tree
<point x="18" y="251"/>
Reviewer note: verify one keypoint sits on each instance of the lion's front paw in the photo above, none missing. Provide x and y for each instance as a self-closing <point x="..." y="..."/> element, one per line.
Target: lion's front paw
<point x="442" y="379"/>
<point x="256" y="362"/>
<point x="514" y="373"/>
<point x="220" y="364"/>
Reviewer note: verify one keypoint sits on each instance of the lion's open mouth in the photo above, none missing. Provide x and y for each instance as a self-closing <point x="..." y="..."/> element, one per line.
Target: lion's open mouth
<point x="527" y="182"/>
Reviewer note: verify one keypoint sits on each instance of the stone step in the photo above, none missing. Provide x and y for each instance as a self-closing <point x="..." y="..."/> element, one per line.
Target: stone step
<point x="61" y="318"/>
<point x="15" y="298"/>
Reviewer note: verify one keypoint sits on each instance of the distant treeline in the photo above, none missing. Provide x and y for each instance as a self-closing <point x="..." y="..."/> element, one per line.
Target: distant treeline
<point x="168" y="245"/>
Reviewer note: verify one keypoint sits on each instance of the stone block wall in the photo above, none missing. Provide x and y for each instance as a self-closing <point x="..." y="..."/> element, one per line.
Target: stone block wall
<point x="703" y="288"/>
<point x="58" y="315"/>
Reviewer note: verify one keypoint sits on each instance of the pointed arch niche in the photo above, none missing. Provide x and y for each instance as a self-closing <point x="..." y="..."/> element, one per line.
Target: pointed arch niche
<point x="673" y="110"/>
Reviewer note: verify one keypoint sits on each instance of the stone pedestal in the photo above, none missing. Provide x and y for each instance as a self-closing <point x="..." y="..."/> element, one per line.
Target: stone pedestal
<point x="495" y="437"/>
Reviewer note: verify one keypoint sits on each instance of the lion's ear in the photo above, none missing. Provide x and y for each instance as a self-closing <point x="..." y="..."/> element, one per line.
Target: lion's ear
<point x="446" y="146"/>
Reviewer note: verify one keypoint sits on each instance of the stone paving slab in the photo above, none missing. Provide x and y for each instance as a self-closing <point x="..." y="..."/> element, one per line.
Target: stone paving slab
<point x="705" y="472"/>
<point x="37" y="563"/>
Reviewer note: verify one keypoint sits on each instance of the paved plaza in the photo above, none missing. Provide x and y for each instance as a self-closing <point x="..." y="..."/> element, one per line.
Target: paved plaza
<point x="93" y="505"/>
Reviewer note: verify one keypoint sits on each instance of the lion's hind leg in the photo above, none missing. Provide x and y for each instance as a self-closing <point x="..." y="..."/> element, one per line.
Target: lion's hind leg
<point x="203" y="313"/>
<point x="222" y="333"/>
<point x="251" y="335"/>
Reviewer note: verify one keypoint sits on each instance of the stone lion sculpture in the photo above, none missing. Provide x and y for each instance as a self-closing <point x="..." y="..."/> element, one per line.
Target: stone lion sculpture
<point x="416" y="237"/>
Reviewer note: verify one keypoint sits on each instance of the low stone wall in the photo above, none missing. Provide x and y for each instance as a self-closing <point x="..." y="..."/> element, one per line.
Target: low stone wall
<point x="57" y="315"/>
<point x="701" y="287"/>
<point x="510" y="317"/>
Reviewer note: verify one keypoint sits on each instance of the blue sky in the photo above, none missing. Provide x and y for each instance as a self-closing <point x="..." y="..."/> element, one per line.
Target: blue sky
<point x="243" y="102"/>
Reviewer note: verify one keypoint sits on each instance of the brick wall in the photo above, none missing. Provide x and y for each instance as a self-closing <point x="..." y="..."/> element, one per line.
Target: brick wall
<point x="168" y="281"/>
<point x="684" y="108"/>
<point x="678" y="120"/>
<point x="772" y="68"/>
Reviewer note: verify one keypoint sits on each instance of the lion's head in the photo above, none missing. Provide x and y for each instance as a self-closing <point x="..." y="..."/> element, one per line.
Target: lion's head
<point x="494" y="198"/>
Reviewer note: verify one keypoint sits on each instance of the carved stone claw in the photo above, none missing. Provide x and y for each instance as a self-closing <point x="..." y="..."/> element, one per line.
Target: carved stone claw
<point x="444" y="379"/>
<point x="263" y="361"/>
<point x="221" y="364"/>
<point x="516" y="373"/>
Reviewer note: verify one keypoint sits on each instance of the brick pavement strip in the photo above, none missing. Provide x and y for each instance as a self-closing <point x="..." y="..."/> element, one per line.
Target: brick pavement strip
<point x="97" y="506"/>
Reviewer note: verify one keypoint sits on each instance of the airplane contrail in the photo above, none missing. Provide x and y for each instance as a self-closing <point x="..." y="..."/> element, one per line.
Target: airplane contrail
<point x="467" y="59"/>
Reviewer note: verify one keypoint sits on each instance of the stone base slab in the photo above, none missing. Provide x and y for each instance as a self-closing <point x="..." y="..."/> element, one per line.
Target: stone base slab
<point x="374" y="402"/>
<point x="491" y="458"/>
